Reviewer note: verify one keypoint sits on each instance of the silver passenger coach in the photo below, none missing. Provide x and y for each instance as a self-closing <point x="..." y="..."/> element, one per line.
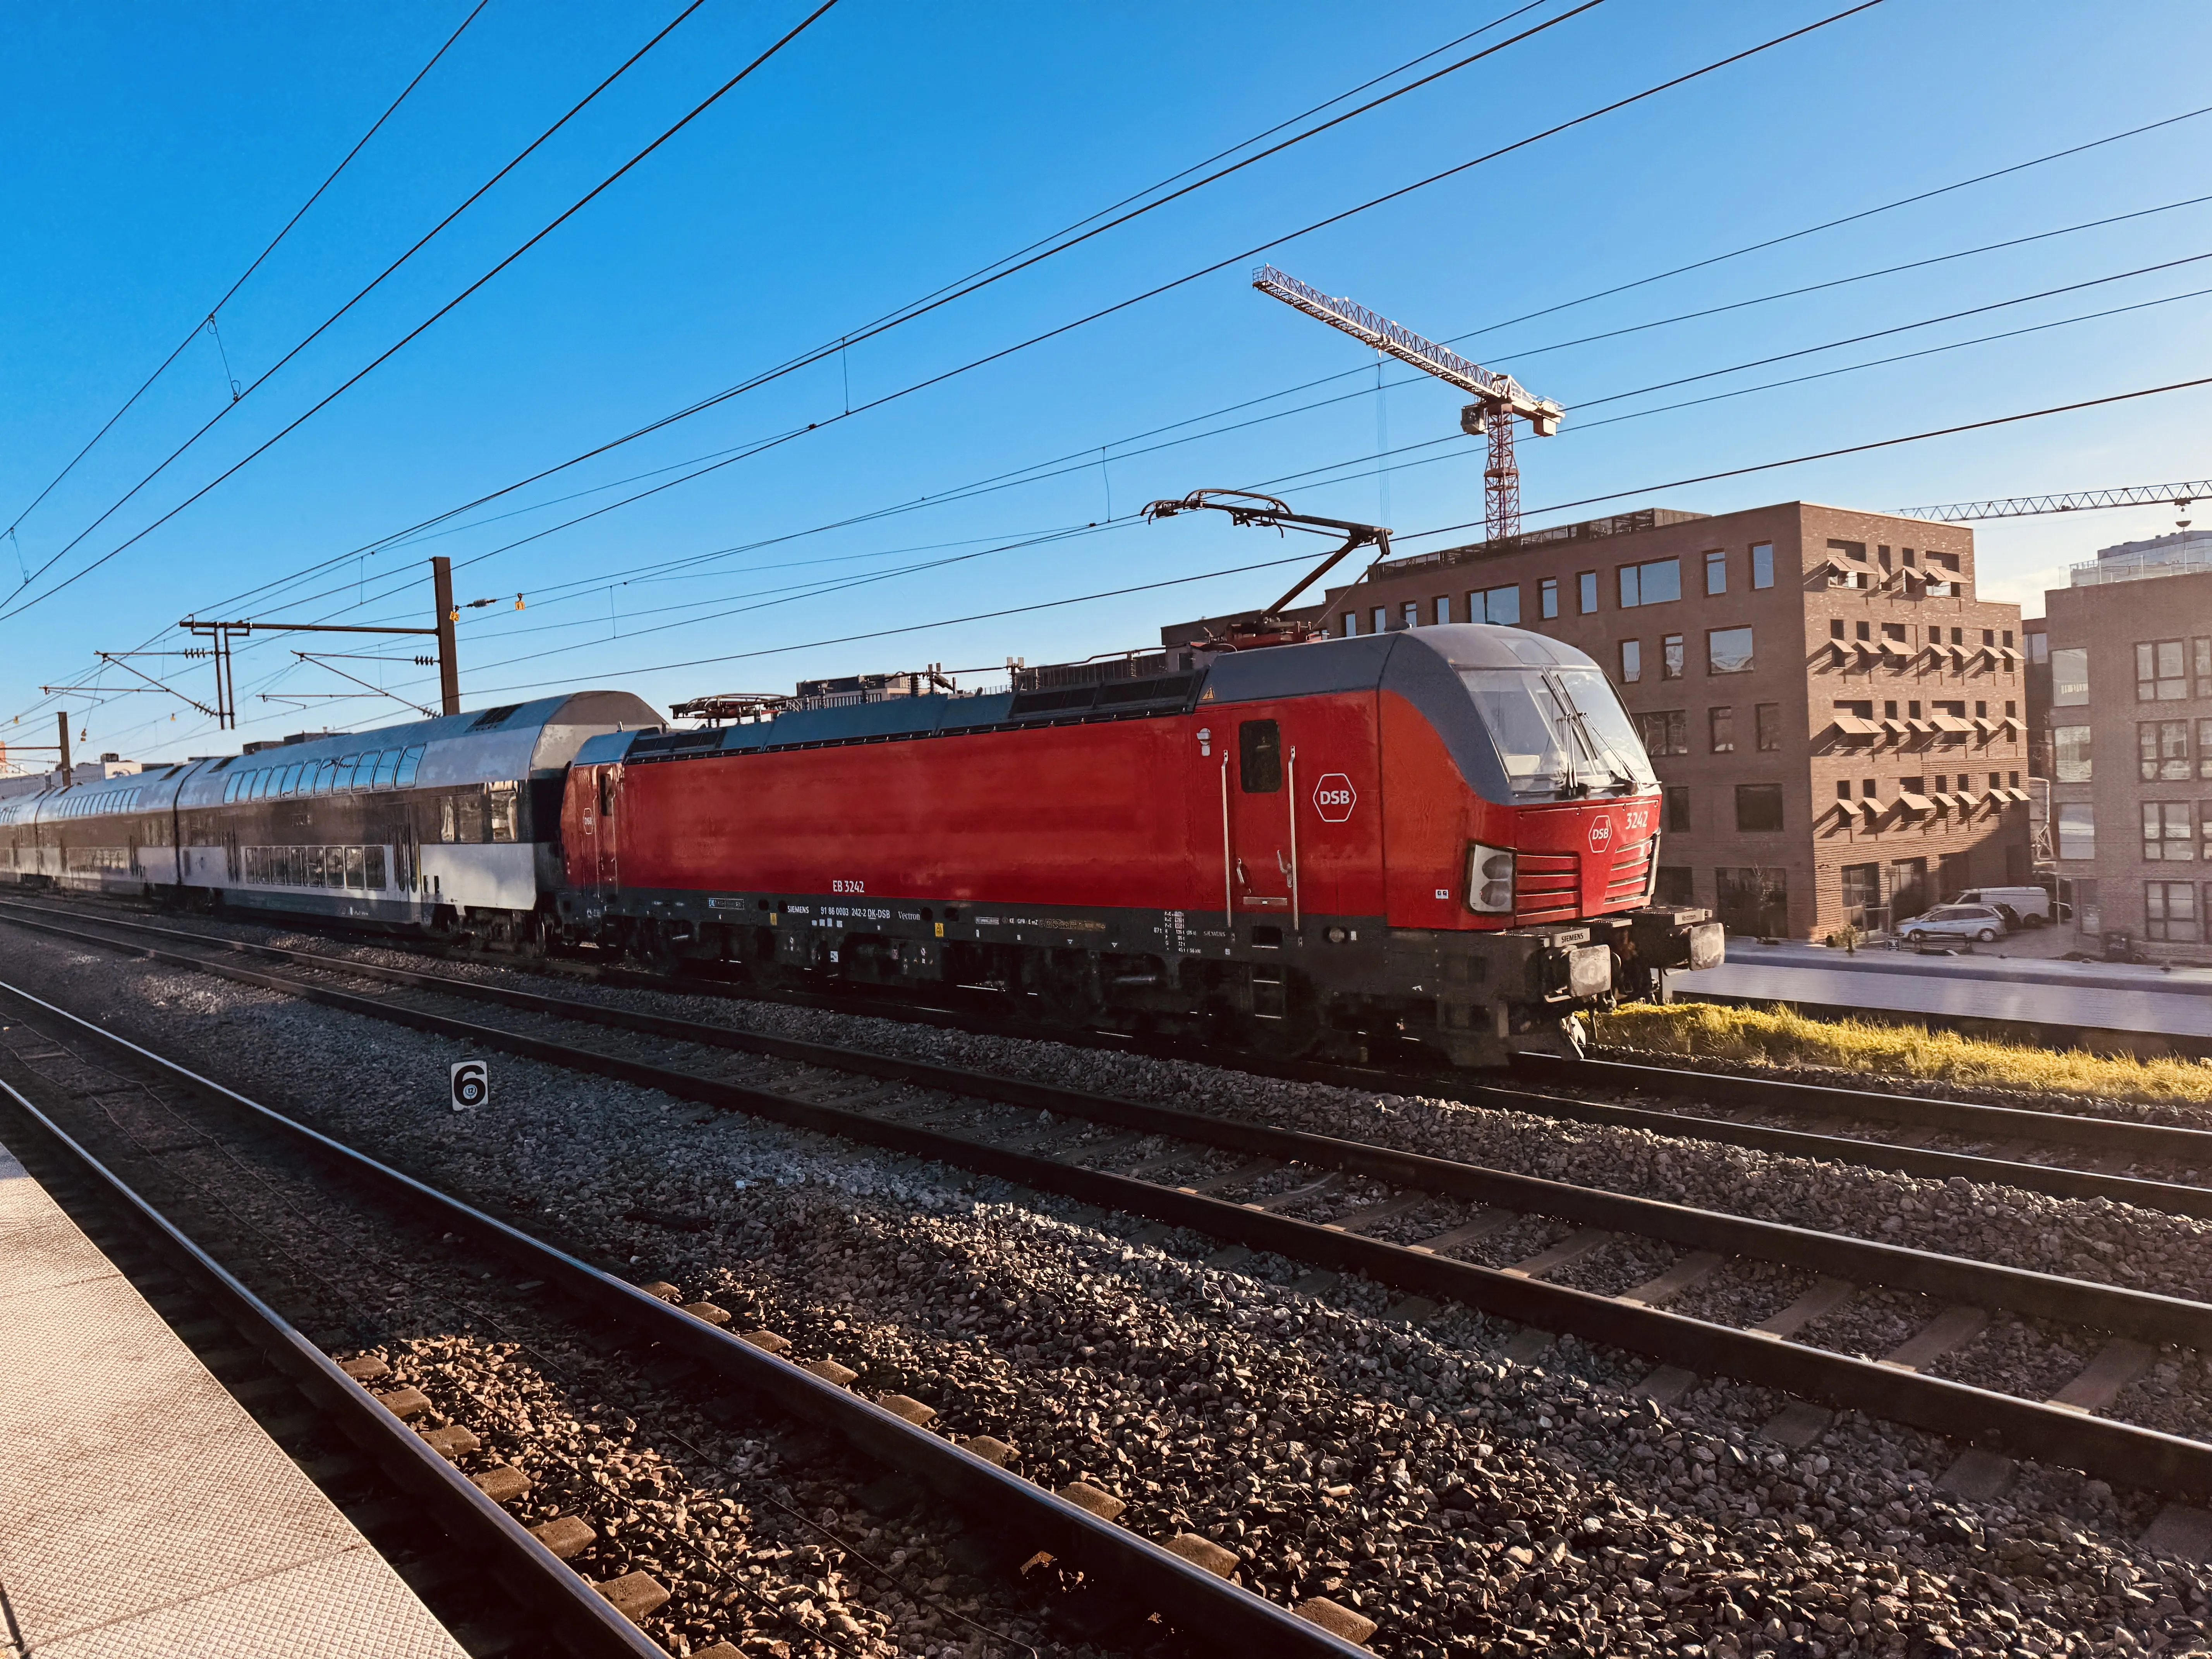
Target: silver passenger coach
<point x="445" y="822"/>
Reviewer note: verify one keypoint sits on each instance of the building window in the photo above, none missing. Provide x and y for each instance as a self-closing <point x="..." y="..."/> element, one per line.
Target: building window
<point x="1908" y="888"/>
<point x="1768" y="719"/>
<point x="2073" y="745"/>
<point x="2167" y="833"/>
<point x="1444" y="609"/>
<point x="2162" y="750"/>
<point x="1501" y="606"/>
<point x="1861" y="891"/>
<point x="1856" y="550"/>
<point x="1835" y="628"/>
<point x="1988" y="636"/>
<point x="1897" y="631"/>
<point x="1656" y="582"/>
<point x="1631" y="661"/>
<point x="1866" y="788"/>
<point x="1350" y="627"/>
<point x="2202" y="649"/>
<point x="1380" y="621"/>
<point x="1843" y="788"/>
<point x="1716" y="572"/>
<point x="2170" y="912"/>
<point x="1762" y="564"/>
<point x="1727" y="651"/>
<point x="2015" y="780"/>
<point x="1865" y="630"/>
<point x="1411" y="612"/>
<point x="1670" y="657"/>
<point x="2159" y="676"/>
<point x="1547" y="598"/>
<point x="1677" y="810"/>
<point x="2069" y="677"/>
<point x="1666" y="731"/>
<point x="1758" y="806"/>
<point x="1720" y="724"/>
<point x="1673" y="886"/>
<point x="2204" y="749"/>
<point x="1586" y="590"/>
<point x="2039" y="648"/>
<point x="1752" y="901"/>
<point x="2077" y="829"/>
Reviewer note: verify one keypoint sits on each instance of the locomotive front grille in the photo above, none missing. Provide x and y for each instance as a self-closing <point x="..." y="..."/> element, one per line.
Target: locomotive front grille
<point x="1545" y="885"/>
<point x="1631" y="875"/>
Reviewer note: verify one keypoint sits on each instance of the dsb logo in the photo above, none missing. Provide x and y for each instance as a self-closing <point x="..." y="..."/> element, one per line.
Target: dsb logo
<point x="1335" y="797"/>
<point x="471" y="1085"/>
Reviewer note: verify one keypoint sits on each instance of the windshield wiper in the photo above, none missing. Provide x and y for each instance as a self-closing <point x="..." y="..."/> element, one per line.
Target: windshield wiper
<point x="1575" y="725"/>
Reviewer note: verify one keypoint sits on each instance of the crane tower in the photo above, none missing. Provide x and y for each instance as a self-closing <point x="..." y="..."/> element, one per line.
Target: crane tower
<point x="1499" y="399"/>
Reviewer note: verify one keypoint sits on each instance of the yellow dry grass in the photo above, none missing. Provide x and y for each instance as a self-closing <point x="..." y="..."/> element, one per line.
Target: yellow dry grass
<point x="1777" y="1036"/>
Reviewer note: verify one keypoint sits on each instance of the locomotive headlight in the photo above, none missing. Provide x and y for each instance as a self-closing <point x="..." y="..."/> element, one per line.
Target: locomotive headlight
<point x="1489" y="879"/>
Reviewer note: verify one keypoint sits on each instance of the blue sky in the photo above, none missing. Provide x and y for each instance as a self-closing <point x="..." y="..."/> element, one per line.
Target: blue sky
<point x="890" y="151"/>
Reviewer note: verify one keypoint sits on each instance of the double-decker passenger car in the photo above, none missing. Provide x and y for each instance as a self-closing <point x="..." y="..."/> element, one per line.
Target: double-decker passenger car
<point x="444" y="823"/>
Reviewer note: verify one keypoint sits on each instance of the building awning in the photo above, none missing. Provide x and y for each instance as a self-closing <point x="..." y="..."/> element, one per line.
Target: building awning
<point x="1896" y="728"/>
<point x="2019" y="795"/>
<point x="1894" y="648"/>
<point x="1913" y="723"/>
<point x="1912" y="803"/>
<point x="1866" y="649"/>
<point x="1857" y="726"/>
<point x="2013" y="723"/>
<point x="2010" y="654"/>
<point x="1948" y="723"/>
<point x="1836" y="563"/>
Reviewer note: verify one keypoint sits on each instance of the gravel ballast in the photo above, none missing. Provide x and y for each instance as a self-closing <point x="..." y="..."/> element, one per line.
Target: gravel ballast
<point x="1467" y="1502"/>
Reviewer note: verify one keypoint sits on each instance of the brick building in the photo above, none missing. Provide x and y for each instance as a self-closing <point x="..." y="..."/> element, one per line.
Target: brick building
<point x="1838" y="722"/>
<point x="2130" y="721"/>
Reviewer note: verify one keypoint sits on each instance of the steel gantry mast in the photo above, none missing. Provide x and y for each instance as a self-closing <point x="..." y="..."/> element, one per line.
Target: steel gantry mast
<point x="1499" y="400"/>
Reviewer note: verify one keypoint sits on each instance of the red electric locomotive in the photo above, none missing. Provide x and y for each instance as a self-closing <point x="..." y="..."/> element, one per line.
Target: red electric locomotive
<point x="1443" y="837"/>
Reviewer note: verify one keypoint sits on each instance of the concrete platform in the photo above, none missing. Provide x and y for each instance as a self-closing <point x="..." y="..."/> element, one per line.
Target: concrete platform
<point x="142" y="1512"/>
<point x="2070" y="1000"/>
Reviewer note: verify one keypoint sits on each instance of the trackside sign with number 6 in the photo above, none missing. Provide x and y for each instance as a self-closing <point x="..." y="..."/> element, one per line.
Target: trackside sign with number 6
<point x="471" y="1084"/>
<point x="1335" y="797"/>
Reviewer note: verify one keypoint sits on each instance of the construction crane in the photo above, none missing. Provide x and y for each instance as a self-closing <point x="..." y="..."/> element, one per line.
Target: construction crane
<point x="2081" y="501"/>
<point x="1499" y="400"/>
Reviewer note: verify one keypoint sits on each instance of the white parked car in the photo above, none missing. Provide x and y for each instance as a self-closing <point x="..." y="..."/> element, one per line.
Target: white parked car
<point x="2033" y="905"/>
<point x="1983" y="923"/>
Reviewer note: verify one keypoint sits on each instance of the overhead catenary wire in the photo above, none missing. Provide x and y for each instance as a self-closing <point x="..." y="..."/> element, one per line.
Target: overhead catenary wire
<point x="259" y="258"/>
<point x="841" y="344"/>
<point x="793" y="365"/>
<point x="238" y="396"/>
<point x="404" y="538"/>
<point x="698" y="109"/>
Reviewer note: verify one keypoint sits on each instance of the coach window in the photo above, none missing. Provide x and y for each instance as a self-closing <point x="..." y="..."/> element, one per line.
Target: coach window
<point x="1260" y="757"/>
<point x="387" y="770"/>
<point x="408" y="763"/>
<point x="501" y="801"/>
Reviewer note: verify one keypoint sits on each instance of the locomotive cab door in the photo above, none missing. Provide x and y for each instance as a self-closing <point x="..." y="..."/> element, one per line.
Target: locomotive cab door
<point x="1259" y="842"/>
<point x="600" y="832"/>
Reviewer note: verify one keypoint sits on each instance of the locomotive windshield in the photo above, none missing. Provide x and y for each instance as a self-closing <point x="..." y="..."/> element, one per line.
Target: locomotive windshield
<point x="1558" y="731"/>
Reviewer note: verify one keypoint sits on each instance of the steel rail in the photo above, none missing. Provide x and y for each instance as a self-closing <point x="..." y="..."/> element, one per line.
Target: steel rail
<point x="1188" y="1596"/>
<point x="573" y="1612"/>
<point x="2124" y="1453"/>
<point x="2120" y="1135"/>
<point x="2146" y="1314"/>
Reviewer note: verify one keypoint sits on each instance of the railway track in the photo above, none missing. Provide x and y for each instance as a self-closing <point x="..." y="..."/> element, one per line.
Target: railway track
<point x="1397" y="1217"/>
<point x="2115" y="1159"/>
<point x="1181" y="1581"/>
